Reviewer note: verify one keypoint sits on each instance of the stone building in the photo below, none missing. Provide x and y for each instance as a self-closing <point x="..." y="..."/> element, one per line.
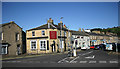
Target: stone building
<point x="47" y="38"/>
<point x="11" y="39"/>
<point x="80" y="39"/>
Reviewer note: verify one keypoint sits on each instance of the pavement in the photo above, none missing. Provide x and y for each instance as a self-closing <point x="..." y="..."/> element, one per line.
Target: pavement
<point x="87" y="58"/>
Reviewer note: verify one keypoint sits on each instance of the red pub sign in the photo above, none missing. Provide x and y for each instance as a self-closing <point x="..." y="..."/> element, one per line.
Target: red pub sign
<point x="53" y="34"/>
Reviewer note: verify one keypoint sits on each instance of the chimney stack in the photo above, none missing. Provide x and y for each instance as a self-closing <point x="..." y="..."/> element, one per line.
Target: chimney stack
<point x="80" y="29"/>
<point x="50" y="20"/>
<point x="60" y="24"/>
<point x="83" y="30"/>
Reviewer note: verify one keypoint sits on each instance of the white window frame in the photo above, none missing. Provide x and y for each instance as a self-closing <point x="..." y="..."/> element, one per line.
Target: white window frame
<point x="18" y="36"/>
<point x="31" y="44"/>
<point x="1" y="35"/>
<point x="5" y="49"/>
<point x="42" y="32"/>
<point x="45" y="45"/>
<point x="65" y="33"/>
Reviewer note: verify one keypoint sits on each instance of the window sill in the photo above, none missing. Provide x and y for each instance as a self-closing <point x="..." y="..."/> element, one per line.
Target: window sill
<point x="42" y="49"/>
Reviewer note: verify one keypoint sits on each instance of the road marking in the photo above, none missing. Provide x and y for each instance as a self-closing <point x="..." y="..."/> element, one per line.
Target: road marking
<point x="83" y="62"/>
<point x="113" y="61"/>
<point x="73" y="62"/>
<point x="102" y="62"/>
<point x="74" y="59"/>
<point x="87" y="53"/>
<point x="92" y="61"/>
<point x="90" y="57"/>
<point x="62" y="60"/>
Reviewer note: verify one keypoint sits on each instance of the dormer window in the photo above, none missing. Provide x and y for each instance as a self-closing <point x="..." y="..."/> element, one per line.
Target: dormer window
<point x="33" y="33"/>
<point x="43" y="32"/>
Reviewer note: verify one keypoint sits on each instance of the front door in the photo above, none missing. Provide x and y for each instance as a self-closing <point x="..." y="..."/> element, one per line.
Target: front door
<point x="53" y="47"/>
<point x="18" y="49"/>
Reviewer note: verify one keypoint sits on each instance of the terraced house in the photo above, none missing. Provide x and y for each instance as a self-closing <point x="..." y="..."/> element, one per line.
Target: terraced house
<point x="12" y="39"/>
<point x="47" y="38"/>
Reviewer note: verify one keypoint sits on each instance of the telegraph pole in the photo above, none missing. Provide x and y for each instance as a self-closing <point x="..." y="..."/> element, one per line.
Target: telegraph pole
<point x="61" y="35"/>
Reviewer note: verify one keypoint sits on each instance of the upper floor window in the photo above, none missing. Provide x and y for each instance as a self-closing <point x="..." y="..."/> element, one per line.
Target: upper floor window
<point x="43" y="32"/>
<point x="17" y="36"/>
<point x="65" y="33"/>
<point x="33" y="33"/>
<point x="81" y="37"/>
<point x="1" y="36"/>
<point x="69" y="34"/>
<point x="60" y="33"/>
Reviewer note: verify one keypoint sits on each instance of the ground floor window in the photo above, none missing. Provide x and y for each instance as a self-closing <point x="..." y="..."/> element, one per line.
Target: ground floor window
<point x="33" y="44"/>
<point x="42" y="44"/>
<point x="4" y="50"/>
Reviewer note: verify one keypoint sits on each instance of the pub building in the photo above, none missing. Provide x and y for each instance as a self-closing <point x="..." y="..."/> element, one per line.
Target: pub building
<point x="47" y="38"/>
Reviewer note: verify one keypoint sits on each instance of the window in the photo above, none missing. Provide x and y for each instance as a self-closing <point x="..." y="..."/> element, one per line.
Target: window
<point x="33" y="44"/>
<point x="81" y="37"/>
<point x="60" y="33"/>
<point x="42" y="44"/>
<point x="4" y="50"/>
<point x="17" y="36"/>
<point x="43" y="32"/>
<point x="1" y="36"/>
<point x="69" y="34"/>
<point x="33" y="33"/>
<point x="65" y="33"/>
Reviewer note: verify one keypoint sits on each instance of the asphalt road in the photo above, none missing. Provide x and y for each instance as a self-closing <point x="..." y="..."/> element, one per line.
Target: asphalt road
<point x="88" y="58"/>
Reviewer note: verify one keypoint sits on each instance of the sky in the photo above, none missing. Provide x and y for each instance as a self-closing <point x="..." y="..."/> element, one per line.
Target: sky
<point x="86" y="15"/>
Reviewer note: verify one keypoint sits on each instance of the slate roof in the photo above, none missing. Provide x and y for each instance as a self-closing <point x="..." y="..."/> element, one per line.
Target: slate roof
<point x="95" y="34"/>
<point x="4" y="24"/>
<point x="45" y="26"/>
<point x="78" y="33"/>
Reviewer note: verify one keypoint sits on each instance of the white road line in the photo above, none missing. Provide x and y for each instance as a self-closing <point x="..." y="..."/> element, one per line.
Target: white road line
<point x="62" y="60"/>
<point x="83" y="62"/>
<point x="92" y="61"/>
<point x="102" y="61"/>
<point x="87" y="53"/>
<point x="113" y="61"/>
<point x="74" y="59"/>
<point x="90" y="57"/>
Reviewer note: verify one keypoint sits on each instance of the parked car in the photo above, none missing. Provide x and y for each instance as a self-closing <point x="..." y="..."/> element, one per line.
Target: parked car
<point x="102" y="46"/>
<point x="83" y="48"/>
<point x="118" y="47"/>
<point x="109" y="46"/>
<point x="96" y="47"/>
<point x="92" y="47"/>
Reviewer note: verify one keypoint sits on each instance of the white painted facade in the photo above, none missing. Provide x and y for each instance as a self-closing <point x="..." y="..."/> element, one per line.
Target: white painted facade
<point x="83" y="42"/>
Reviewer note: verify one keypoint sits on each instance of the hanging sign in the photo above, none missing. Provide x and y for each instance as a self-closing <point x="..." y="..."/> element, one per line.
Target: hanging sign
<point x="53" y="34"/>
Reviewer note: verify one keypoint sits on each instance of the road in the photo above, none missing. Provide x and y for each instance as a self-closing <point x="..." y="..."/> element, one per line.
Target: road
<point x="88" y="58"/>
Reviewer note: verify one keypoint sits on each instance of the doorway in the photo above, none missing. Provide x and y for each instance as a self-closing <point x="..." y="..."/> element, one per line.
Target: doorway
<point x="53" y="47"/>
<point x="18" y="50"/>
